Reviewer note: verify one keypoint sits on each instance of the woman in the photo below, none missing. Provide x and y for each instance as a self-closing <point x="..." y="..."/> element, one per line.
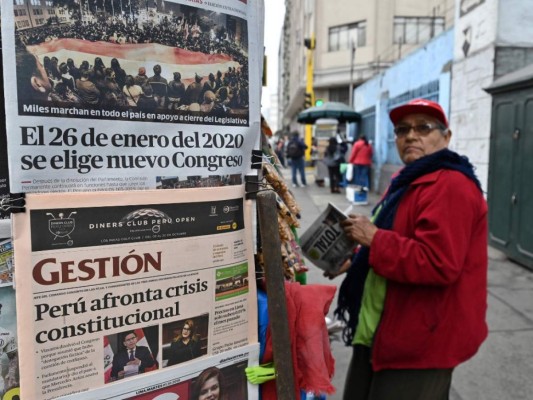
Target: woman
<point x="98" y="73"/>
<point x="185" y="346"/>
<point x="209" y="385"/>
<point x="113" y="95"/>
<point x="120" y="74"/>
<point x="132" y="91"/>
<point x="333" y="158"/>
<point x="209" y="101"/>
<point x="361" y="158"/>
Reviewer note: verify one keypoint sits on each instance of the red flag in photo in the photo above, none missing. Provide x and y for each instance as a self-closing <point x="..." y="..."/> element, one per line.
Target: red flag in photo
<point x="141" y="341"/>
<point x="108" y="360"/>
<point x="132" y="56"/>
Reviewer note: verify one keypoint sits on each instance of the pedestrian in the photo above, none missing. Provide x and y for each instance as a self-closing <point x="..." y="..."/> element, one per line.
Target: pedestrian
<point x="296" y="151"/>
<point x="280" y="151"/>
<point x="361" y="159"/>
<point x="415" y="296"/>
<point x="333" y="158"/>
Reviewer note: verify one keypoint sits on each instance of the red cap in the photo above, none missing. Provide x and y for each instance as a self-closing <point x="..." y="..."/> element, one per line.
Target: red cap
<point x="419" y="106"/>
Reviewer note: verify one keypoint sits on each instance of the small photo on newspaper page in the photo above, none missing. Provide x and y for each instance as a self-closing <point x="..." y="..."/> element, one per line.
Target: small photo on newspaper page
<point x="324" y="243"/>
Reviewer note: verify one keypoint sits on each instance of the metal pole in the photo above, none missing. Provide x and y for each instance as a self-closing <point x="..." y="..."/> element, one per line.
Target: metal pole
<point x="309" y="88"/>
<point x="352" y="61"/>
<point x="275" y="283"/>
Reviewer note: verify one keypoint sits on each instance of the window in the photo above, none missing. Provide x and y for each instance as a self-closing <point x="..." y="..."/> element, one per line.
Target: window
<point x="18" y="2"/>
<point x="342" y="37"/>
<point x="414" y="30"/>
<point x="23" y="24"/>
<point x="19" y="13"/>
<point x="339" y="94"/>
<point x="35" y="2"/>
<point x="37" y="11"/>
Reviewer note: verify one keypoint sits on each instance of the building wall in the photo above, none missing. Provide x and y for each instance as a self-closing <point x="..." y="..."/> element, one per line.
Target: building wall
<point x="425" y="72"/>
<point x="333" y="67"/>
<point x="473" y="70"/>
<point x="515" y="27"/>
<point x="493" y="37"/>
<point x="36" y="13"/>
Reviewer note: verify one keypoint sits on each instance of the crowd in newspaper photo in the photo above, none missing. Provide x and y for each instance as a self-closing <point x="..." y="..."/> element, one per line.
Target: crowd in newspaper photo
<point x="154" y="58"/>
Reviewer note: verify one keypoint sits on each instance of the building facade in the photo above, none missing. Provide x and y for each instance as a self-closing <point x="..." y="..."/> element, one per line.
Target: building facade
<point x="494" y="51"/>
<point x="36" y="13"/>
<point x="492" y="38"/>
<point x="426" y="72"/>
<point x="355" y="40"/>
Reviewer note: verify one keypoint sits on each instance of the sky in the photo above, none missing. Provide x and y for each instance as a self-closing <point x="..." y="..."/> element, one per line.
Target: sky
<point x="274" y="14"/>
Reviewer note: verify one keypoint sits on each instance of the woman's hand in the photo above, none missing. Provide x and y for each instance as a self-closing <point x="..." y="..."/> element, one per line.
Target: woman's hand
<point x="343" y="268"/>
<point x="359" y="229"/>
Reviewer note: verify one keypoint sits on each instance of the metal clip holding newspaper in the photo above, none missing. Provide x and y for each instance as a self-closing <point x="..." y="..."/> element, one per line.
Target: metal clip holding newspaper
<point x="324" y="243"/>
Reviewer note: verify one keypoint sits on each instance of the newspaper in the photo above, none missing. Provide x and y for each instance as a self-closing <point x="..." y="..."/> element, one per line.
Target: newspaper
<point x="133" y="95"/>
<point x="9" y="361"/>
<point x="168" y="385"/>
<point x="5" y="223"/>
<point x="115" y="279"/>
<point x="324" y="243"/>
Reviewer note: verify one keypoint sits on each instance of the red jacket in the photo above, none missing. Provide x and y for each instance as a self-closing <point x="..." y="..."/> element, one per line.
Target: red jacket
<point x="361" y="153"/>
<point x="435" y="262"/>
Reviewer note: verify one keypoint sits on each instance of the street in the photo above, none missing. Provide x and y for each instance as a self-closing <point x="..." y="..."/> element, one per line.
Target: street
<point x="503" y="367"/>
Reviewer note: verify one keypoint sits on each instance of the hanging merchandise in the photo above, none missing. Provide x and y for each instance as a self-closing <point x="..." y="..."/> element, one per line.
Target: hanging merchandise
<point x="288" y="211"/>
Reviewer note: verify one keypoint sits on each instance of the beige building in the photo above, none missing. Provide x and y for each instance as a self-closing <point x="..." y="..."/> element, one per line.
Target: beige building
<point x="355" y="39"/>
<point x="35" y="13"/>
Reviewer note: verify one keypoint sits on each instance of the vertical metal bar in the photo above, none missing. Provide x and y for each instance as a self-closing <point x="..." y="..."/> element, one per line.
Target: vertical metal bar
<point x="352" y="61"/>
<point x="275" y="284"/>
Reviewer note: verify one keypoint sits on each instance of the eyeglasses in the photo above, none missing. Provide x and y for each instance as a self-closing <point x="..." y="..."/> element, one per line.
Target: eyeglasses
<point x="421" y="129"/>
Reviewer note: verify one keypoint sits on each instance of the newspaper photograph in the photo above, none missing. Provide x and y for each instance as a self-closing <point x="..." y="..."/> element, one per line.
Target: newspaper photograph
<point x="7" y="268"/>
<point x="324" y="243"/>
<point x="120" y="285"/>
<point x="215" y="377"/>
<point x="128" y="95"/>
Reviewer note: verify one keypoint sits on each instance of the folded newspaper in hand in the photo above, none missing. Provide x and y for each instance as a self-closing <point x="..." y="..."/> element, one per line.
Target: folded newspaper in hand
<point x="324" y="243"/>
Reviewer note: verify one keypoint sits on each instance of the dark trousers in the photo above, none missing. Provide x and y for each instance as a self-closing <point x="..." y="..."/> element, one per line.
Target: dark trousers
<point x="334" y="178"/>
<point x="400" y="384"/>
<point x="298" y="166"/>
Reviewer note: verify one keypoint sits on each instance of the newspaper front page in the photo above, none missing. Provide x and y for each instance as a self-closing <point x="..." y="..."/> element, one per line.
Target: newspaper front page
<point x="118" y="285"/>
<point x="324" y="243"/>
<point x="131" y="95"/>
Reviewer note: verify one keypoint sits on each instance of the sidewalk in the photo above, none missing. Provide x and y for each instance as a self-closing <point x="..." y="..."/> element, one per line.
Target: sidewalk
<point x="503" y="368"/>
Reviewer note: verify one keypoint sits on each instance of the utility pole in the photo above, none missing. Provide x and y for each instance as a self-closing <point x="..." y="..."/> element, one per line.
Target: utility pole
<point x="432" y="32"/>
<point x="352" y="62"/>
<point x="310" y="45"/>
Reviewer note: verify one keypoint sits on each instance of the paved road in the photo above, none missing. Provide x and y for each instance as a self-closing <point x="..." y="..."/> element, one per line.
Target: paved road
<point x="503" y="368"/>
